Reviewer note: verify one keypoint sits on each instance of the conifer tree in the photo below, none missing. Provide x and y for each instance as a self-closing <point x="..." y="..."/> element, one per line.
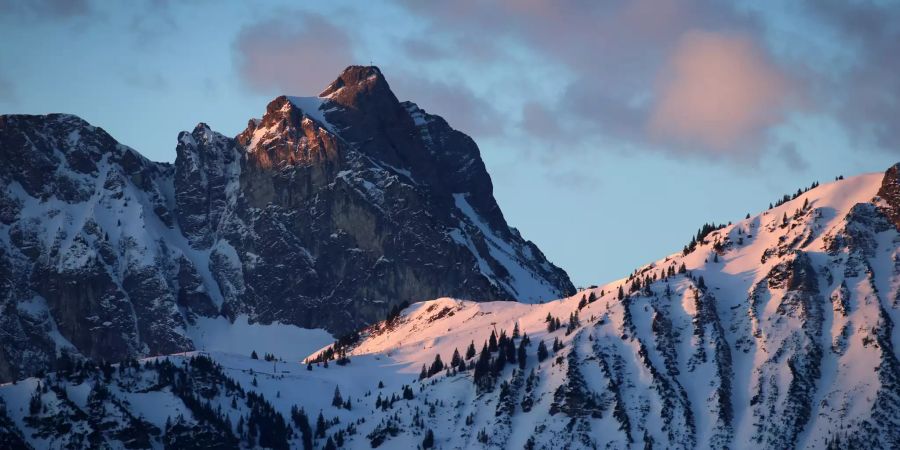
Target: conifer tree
<point x="320" y="426"/>
<point x="428" y="442"/>
<point x="35" y="404"/>
<point x="436" y="366"/>
<point x="492" y="342"/>
<point x="529" y="444"/>
<point x="515" y="334"/>
<point x="501" y="343"/>
<point x="510" y="351"/>
<point x="483" y="367"/>
<point x="337" y="400"/>
<point x="470" y="352"/>
<point x="498" y="363"/>
<point x="542" y="353"/>
<point x="456" y="360"/>
<point x="298" y="415"/>
<point x="521" y="354"/>
<point x="636" y="286"/>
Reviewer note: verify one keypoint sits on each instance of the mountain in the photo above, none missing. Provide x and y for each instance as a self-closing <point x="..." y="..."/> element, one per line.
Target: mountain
<point x="773" y="332"/>
<point x="328" y="213"/>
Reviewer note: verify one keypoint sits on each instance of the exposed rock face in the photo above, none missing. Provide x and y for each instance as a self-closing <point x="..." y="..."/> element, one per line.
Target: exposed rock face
<point x="205" y="164"/>
<point x="327" y="212"/>
<point x="890" y="192"/>
<point x="81" y="275"/>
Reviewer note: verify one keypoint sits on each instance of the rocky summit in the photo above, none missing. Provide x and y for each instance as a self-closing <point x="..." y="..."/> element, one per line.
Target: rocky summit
<point x="328" y="212"/>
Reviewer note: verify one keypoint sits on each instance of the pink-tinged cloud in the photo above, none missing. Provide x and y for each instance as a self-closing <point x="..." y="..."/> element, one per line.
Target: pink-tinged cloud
<point x="717" y="95"/>
<point x="300" y="54"/>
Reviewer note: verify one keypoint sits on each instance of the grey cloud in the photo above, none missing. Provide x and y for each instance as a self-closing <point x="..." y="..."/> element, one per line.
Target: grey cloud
<point x="867" y="97"/>
<point x="540" y="121"/>
<point x="298" y="53"/>
<point x="616" y="53"/>
<point x="792" y="158"/>
<point x="463" y="109"/>
<point x="46" y="9"/>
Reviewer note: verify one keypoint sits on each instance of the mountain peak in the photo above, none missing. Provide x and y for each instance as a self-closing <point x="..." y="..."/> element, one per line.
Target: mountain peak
<point x="361" y="88"/>
<point x="367" y="78"/>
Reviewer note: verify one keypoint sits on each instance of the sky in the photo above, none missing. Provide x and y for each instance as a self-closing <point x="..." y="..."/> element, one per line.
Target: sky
<point x="612" y="130"/>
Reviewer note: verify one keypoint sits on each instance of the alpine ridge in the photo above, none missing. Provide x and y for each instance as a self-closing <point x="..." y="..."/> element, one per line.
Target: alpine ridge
<point x="773" y="332"/>
<point x="327" y="213"/>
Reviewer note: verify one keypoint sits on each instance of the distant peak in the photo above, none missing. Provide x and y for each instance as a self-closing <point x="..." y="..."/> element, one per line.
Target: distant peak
<point x="52" y="119"/>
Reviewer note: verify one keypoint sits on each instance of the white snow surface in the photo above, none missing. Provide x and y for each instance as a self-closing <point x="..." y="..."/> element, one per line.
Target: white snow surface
<point x="529" y="287"/>
<point x="313" y="107"/>
<point x="289" y="342"/>
<point x="653" y="357"/>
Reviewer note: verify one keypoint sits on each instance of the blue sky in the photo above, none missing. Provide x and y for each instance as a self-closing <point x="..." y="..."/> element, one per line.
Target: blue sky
<point x="612" y="130"/>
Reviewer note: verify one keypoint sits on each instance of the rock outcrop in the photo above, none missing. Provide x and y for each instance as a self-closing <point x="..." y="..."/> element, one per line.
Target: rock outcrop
<point x="327" y="212"/>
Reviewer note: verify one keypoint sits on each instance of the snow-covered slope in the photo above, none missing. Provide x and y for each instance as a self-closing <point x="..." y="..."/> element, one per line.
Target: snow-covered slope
<point x="773" y="332"/>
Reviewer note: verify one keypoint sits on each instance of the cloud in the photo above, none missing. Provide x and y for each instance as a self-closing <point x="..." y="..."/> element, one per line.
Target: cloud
<point x="152" y="20"/>
<point x="296" y="54"/>
<point x="462" y="109"/>
<point x="717" y="95"/>
<point x="633" y="71"/>
<point x="866" y="97"/>
<point x="301" y="53"/>
<point x="792" y="158"/>
<point x="46" y="9"/>
<point x="686" y="78"/>
<point x="540" y="121"/>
